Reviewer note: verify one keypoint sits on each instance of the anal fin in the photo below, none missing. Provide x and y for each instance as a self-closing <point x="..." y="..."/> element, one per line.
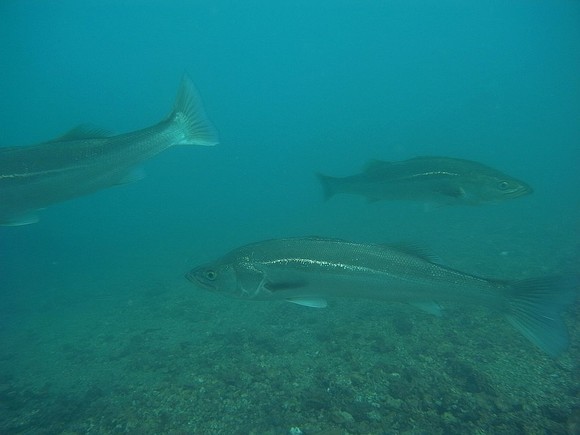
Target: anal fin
<point x="309" y="302"/>
<point x="20" y="220"/>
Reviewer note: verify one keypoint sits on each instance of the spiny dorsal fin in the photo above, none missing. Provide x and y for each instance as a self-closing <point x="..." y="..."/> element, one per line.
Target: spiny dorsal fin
<point x="83" y="131"/>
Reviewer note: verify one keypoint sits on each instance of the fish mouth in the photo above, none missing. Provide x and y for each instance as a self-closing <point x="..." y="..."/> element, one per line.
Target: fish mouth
<point x="522" y="190"/>
<point x="190" y="276"/>
<point x="194" y="276"/>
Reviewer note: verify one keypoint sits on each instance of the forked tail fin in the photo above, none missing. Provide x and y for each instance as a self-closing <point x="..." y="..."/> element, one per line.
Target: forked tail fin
<point x="189" y="114"/>
<point x="535" y="309"/>
<point x="328" y="185"/>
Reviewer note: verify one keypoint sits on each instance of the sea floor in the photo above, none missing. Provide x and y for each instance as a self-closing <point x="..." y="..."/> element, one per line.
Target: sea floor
<point x="162" y="357"/>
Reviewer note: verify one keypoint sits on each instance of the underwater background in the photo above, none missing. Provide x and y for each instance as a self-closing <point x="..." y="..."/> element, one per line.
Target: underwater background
<point x="101" y="333"/>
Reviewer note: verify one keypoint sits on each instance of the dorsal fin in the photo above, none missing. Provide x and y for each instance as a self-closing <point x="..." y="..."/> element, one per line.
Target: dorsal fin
<point x="415" y="250"/>
<point x="83" y="131"/>
<point x="325" y="239"/>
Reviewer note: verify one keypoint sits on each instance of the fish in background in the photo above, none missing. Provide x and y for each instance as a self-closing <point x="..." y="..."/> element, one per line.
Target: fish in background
<point x="439" y="180"/>
<point x="87" y="159"/>
<point x="309" y="270"/>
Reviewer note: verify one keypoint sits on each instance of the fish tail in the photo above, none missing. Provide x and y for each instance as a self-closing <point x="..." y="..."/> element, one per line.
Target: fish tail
<point x="328" y="185"/>
<point x="535" y="309"/>
<point x="188" y="114"/>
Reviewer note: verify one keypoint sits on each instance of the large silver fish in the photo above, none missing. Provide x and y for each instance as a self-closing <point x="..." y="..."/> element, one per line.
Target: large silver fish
<point x="86" y="160"/>
<point x="306" y="271"/>
<point x="440" y="180"/>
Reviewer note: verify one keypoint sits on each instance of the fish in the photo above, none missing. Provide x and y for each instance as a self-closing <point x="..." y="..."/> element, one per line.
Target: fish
<point x="309" y="270"/>
<point x="88" y="159"/>
<point x="437" y="180"/>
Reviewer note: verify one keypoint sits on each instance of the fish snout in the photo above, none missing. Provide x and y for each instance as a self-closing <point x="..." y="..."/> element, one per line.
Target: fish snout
<point x="203" y="277"/>
<point x="191" y="276"/>
<point x="522" y="189"/>
<point x="528" y="189"/>
<point x="508" y="189"/>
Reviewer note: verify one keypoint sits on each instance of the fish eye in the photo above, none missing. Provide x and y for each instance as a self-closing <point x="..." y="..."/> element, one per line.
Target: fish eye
<point x="211" y="275"/>
<point x="503" y="185"/>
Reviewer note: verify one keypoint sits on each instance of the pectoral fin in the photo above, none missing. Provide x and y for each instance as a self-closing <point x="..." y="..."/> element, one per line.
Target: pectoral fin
<point x="251" y="281"/>
<point x="451" y="191"/>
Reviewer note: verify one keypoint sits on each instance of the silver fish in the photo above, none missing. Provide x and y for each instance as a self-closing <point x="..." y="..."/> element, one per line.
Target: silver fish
<point x="440" y="180"/>
<point x="86" y="159"/>
<point x="307" y="271"/>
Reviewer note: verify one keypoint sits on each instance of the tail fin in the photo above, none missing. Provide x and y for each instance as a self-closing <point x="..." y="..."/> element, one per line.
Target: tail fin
<point x="188" y="113"/>
<point x="328" y="185"/>
<point x="535" y="307"/>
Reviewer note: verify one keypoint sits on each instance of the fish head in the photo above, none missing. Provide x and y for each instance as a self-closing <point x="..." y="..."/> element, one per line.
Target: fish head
<point x="214" y="277"/>
<point x="499" y="188"/>
<point x="235" y="279"/>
